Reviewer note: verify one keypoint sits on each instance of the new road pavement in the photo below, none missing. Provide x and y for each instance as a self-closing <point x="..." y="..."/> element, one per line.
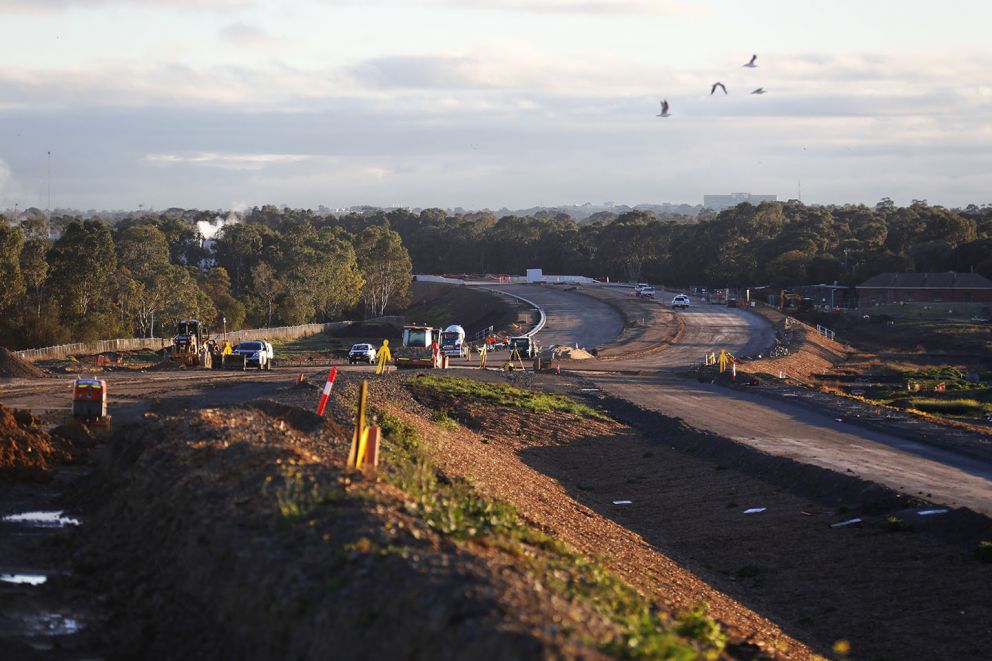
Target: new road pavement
<point x="656" y="382"/>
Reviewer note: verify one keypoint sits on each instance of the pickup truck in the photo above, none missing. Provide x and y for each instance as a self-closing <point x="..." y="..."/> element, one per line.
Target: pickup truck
<point x="364" y="353"/>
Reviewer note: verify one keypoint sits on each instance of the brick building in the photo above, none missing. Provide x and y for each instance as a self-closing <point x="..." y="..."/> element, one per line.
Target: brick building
<point x="949" y="287"/>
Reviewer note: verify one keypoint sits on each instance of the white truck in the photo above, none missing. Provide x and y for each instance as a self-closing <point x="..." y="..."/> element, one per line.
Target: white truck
<point x="257" y="353"/>
<point x="453" y="342"/>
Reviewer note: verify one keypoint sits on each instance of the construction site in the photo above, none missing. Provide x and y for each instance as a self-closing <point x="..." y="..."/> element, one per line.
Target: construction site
<point x="531" y="470"/>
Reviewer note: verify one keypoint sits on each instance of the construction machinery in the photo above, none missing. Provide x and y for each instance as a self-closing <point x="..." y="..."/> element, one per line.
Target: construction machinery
<point x="89" y="404"/>
<point x="798" y="301"/>
<point x="420" y="348"/>
<point x="188" y="344"/>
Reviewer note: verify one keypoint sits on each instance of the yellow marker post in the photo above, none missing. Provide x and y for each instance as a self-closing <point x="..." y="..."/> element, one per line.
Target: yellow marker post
<point x="363" y="444"/>
<point x="723" y="361"/>
<point x="358" y="440"/>
<point x="384" y="357"/>
<point x="482" y="357"/>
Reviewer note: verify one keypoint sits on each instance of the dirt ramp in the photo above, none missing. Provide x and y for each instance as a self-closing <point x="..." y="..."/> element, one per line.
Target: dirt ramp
<point x="14" y="367"/>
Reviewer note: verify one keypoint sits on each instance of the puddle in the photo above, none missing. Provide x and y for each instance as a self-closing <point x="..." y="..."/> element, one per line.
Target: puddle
<point x="47" y="519"/>
<point x="51" y="624"/>
<point x="23" y="579"/>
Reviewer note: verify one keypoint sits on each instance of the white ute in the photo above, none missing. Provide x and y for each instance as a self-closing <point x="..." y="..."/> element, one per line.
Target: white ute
<point x="680" y="301"/>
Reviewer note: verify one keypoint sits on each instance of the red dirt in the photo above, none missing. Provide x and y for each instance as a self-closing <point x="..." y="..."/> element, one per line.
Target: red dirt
<point x="14" y="367"/>
<point x="808" y="352"/>
<point x="27" y="452"/>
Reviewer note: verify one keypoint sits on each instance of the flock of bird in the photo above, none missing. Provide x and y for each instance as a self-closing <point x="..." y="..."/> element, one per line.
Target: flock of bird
<point x="752" y="64"/>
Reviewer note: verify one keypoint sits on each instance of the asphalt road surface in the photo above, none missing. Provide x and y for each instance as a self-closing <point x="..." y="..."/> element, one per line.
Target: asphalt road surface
<point x="654" y="382"/>
<point x="572" y="317"/>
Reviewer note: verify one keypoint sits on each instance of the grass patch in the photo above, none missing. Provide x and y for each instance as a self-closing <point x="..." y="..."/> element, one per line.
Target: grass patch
<point x="453" y="508"/>
<point x="506" y="395"/>
<point x="983" y="552"/>
<point x="895" y="524"/>
<point x="298" y="494"/>
<point x="442" y="418"/>
<point x="970" y="407"/>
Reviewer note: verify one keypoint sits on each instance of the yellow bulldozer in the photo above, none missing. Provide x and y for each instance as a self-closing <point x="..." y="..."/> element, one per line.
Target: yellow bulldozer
<point x="189" y="344"/>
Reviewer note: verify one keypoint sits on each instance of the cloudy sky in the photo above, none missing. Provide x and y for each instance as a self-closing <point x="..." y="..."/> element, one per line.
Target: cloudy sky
<point x="490" y="103"/>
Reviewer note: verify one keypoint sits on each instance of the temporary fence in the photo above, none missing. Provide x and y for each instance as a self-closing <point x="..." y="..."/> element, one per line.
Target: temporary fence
<point x="156" y="343"/>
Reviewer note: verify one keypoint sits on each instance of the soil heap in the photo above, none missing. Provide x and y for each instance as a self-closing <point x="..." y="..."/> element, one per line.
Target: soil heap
<point x="26" y="450"/>
<point x="12" y="366"/>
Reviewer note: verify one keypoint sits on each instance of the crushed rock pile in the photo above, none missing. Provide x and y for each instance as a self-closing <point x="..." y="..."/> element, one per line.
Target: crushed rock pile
<point x="12" y="366"/>
<point x="562" y="352"/>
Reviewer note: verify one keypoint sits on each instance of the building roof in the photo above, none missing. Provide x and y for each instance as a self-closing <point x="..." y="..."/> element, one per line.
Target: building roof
<point x="948" y="280"/>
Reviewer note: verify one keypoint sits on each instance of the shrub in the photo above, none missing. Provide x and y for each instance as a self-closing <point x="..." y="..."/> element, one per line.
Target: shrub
<point x="984" y="551"/>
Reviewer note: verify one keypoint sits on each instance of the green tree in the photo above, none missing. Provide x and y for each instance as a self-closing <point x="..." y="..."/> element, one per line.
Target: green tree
<point x="82" y="262"/>
<point x="385" y="269"/>
<point x="34" y="269"/>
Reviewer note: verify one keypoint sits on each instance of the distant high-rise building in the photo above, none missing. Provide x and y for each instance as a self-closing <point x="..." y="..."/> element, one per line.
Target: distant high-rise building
<point x="721" y="202"/>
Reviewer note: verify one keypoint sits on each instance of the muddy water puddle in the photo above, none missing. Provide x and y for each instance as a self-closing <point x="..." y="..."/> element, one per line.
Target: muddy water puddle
<point x="23" y="578"/>
<point x="42" y="519"/>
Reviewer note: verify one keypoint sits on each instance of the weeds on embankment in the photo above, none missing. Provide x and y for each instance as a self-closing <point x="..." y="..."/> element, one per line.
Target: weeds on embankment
<point x="453" y="507"/>
<point x="505" y="395"/>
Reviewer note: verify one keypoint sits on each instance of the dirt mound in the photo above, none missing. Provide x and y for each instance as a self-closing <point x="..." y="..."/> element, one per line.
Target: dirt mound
<point x="12" y="366"/>
<point x="246" y="545"/>
<point x="570" y="353"/>
<point x="26" y="450"/>
<point x="298" y="418"/>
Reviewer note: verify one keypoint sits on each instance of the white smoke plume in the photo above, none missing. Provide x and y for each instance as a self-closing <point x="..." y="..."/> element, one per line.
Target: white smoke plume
<point x="209" y="229"/>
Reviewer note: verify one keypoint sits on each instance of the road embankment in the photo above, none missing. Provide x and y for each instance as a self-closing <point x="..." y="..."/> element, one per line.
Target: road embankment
<point x="648" y="327"/>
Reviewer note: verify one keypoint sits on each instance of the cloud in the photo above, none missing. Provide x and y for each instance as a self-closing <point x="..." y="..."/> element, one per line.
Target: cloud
<point x="247" y="36"/>
<point x="618" y="7"/>
<point x="225" y="161"/>
<point x="50" y="6"/>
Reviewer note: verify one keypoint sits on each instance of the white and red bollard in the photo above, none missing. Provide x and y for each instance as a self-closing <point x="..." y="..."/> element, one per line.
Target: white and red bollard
<point x="326" y="394"/>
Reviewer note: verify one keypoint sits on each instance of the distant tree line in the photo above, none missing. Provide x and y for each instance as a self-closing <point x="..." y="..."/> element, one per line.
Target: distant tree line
<point x="69" y="279"/>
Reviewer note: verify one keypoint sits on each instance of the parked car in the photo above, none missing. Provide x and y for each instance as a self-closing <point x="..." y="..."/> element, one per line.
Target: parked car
<point x="362" y="353"/>
<point x="680" y="301"/>
<point x="257" y="353"/>
<point x="732" y="303"/>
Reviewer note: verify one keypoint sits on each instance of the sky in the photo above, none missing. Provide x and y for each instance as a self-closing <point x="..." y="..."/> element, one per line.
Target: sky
<point x="490" y="103"/>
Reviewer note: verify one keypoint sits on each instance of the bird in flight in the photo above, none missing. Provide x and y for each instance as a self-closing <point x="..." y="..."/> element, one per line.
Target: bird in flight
<point x="760" y="90"/>
<point x="720" y="85"/>
<point x="753" y="64"/>
<point x="664" y="110"/>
